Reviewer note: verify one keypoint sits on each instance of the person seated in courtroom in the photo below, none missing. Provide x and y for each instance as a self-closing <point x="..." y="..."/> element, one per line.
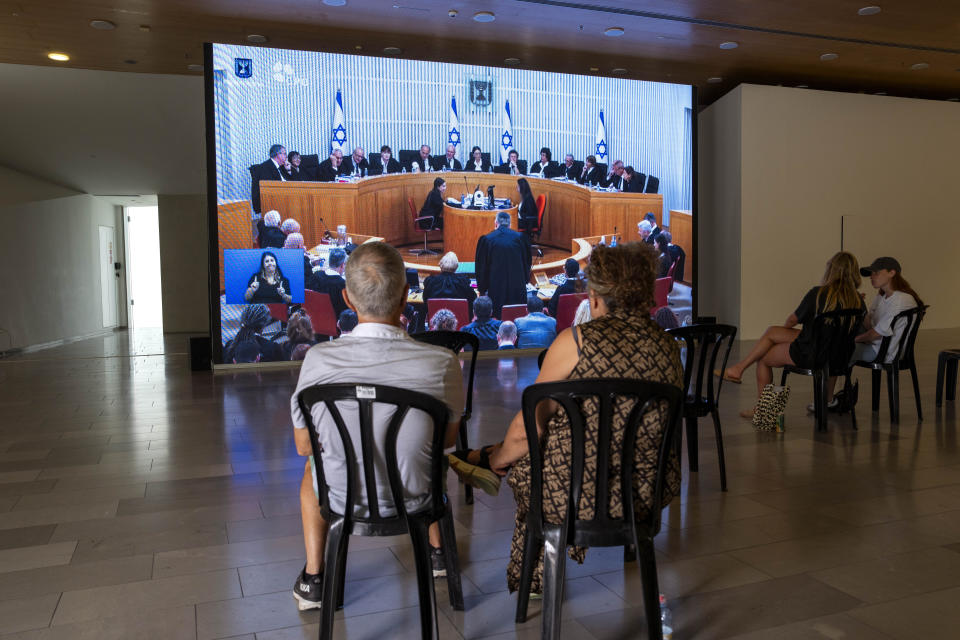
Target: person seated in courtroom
<point x="443" y="320"/>
<point x="295" y="172"/>
<point x="448" y="283"/>
<point x="331" y="167"/>
<point x="289" y="226"/>
<point x="275" y="167"/>
<point x="536" y="329"/>
<point x="295" y="241"/>
<point x="527" y="214"/>
<point x="573" y="284"/>
<point x="299" y="332"/>
<point x="330" y="280"/>
<point x="507" y="336"/>
<point x="449" y="161"/>
<point x="631" y="181"/>
<point x="545" y="167"/>
<point x="666" y="318"/>
<point x="513" y="166"/>
<point x="615" y="178"/>
<point x="655" y="229"/>
<point x="484" y="326"/>
<point x="347" y="322"/>
<point x="433" y="206"/>
<point x="269" y="233"/>
<point x="476" y="163"/>
<point x="677" y="255"/>
<point x="268" y="285"/>
<point x="664" y="259"/>
<point x="355" y="165"/>
<point x="384" y="163"/>
<point x="423" y="162"/>
<point x="570" y="169"/>
<point x="378" y="351"/>
<point x="643" y="230"/>
<point x="250" y="345"/>
<point x="590" y="174"/>
<point x="503" y="264"/>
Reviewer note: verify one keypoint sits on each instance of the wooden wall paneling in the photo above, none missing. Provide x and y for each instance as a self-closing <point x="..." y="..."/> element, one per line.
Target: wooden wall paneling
<point x="234" y="229"/>
<point x="681" y="229"/>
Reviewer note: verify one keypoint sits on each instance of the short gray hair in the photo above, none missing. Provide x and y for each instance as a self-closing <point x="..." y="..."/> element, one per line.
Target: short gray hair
<point x="449" y="262"/>
<point x="275" y="149"/>
<point x="643" y="225"/>
<point x="376" y="279"/>
<point x="507" y="330"/>
<point x="503" y="218"/>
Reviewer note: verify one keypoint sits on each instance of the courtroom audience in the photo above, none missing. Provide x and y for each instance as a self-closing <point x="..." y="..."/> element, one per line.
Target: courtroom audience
<point x="536" y="329"/>
<point x="347" y="322"/>
<point x="432" y="209"/>
<point x="249" y="345"/>
<point x="484" y="326"/>
<point x="572" y="284"/>
<point x="300" y="352"/>
<point x="448" y="283"/>
<point x="290" y="226"/>
<point x="476" y="162"/>
<point x="293" y="241"/>
<point x="664" y="260"/>
<point x="666" y="318"/>
<point x="377" y="352"/>
<point x="330" y="280"/>
<point x="507" y="336"/>
<point x="620" y="342"/>
<point x="643" y="230"/>
<point x="443" y="320"/>
<point x="299" y="332"/>
<point x="583" y="313"/>
<point x="269" y="234"/>
<point x="655" y="229"/>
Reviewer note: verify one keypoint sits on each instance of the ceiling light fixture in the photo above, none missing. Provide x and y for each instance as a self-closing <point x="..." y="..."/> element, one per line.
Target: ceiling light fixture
<point x="715" y="80"/>
<point x="256" y="38"/>
<point x="103" y="25"/>
<point x="920" y="66"/>
<point x="511" y="61"/>
<point x="802" y="86"/>
<point x="195" y="67"/>
<point x="57" y="56"/>
<point x="872" y="10"/>
<point x="392" y="51"/>
<point x="618" y="70"/>
<point x="594" y="68"/>
<point x="130" y="61"/>
<point x="729" y="45"/>
<point x="145" y="27"/>
<point x="880" y="93"/>
<point x="828" y="57"/>
<point x="484" y="16"/>
<point x="334" y="3"/>
<point x="613" y="32"/>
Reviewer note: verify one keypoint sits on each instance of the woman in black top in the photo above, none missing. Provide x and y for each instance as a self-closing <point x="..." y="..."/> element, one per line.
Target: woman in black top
<point x="268" y="285"/>
<point x="665" y="261"/>
<point x="785" y="344"/>
<point x="527" y="212"/>
<point x="476" y="162"/>
<point x="433" y="206"/>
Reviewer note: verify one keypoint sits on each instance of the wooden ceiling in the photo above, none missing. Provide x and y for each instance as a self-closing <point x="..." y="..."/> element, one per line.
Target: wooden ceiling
<point x="779" y="42"/>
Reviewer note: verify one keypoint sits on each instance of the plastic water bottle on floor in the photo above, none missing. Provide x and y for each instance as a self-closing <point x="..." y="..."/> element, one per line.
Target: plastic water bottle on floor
<point x="666" y="618"/>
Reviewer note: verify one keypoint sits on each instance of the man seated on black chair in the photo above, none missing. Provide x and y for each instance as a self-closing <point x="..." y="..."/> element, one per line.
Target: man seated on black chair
<point x="377" y="351"/>
<point x="329" y="280"/>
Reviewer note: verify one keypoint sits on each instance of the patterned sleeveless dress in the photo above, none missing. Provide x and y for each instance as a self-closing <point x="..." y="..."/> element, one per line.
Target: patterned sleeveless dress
<point x="617" y="345"/>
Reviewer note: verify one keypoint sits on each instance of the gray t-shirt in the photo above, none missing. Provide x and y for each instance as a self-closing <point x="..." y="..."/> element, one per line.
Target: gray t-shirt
<point x="386" y="355"/>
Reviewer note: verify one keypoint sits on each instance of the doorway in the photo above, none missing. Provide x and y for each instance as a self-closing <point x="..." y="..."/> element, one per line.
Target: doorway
<point x="142" y="234"/>
<point x="108" y="279"/>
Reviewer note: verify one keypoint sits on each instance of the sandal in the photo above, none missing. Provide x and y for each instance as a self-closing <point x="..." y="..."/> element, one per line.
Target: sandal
<point x="727" y="377"/>
<point x="479" y="475"/>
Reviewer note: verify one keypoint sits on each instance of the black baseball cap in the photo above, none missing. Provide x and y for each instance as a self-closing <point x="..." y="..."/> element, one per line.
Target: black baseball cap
<point x="885" y="263"/>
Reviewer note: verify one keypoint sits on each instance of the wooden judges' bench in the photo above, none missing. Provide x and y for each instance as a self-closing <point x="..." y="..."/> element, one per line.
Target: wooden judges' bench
<point x="379" y="205"/>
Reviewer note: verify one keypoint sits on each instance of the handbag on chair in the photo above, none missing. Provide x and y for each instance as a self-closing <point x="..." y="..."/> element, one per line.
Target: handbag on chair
<point x="768" y="414"/>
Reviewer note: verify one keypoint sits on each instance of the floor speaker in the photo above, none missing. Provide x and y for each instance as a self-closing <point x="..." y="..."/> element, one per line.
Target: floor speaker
<point x="200" y="353"/>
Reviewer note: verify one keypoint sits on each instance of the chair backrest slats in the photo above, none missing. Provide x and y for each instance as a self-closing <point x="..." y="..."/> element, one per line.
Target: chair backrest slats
<point x="909" y="320"/>
<point x="704" y="345"/>
<point x="456" y="341"/>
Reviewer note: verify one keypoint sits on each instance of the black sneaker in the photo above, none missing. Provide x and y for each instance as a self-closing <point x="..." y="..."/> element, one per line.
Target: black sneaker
<point x="439" y="562"/>
<point x="307" y="590"/>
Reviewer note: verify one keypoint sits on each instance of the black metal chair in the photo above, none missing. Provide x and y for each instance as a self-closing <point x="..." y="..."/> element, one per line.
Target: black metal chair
<point x="540" y="357"/>
<point x="601" y="530"/>
<point x="902" y="359"/>
<point x="704" y="343"/>
<point x="342" y="526"/>
<point x="947" y="367"/>
<point x="833" y="341"/>
<point x="456" y="341"/>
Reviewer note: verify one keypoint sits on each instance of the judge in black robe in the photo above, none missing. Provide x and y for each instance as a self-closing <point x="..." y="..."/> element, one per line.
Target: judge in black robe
<point x="503" y="265"/>
<point x="384" y="163"/>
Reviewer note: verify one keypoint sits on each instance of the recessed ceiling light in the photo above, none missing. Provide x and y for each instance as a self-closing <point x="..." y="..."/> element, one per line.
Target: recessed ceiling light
<point x="334" y="3"/>
<point x="392" y="51"/>
<point x="827" y="57"/>
<point x="145" y="27"/>
<point x="872" y="10"/>
<point x="920" y="66"/>
<point x="594" y="68"/>
<point x="729" y="45"/>
<point x="358" y="47"/>
<point x="195" y="67"/>
<point x="618" y="70"/>
<point x="614" y="32"/>
<point x="59" y="57"/>
<point x="256" y="38"/>
<point x="511" y="61"/>
<point x="802" y="86"/>
<point x="103" y="25"/>
<point x="715" y="80"/>
<point x="130" y="61"/>
<point x="880" y="93"/>
<point x="484" y="16"/>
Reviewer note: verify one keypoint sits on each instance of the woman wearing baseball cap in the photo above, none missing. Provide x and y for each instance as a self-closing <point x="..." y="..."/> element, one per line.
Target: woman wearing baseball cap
<point x="894" y="295"/>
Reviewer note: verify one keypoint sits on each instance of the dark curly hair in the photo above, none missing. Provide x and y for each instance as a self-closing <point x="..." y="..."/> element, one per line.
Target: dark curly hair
<point x="623" y="275"/>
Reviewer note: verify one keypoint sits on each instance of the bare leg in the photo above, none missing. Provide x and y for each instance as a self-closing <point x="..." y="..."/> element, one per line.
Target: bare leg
<point x="772" y="337"/>
<point x="314" y="526"/>
<point x="778" y="356"/>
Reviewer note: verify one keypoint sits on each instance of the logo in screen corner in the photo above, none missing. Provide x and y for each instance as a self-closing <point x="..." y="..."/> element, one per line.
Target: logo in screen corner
<point x="243" y="67"/>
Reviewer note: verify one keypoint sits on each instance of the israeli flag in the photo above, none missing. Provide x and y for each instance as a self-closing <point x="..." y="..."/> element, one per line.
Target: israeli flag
<point x="338" y="134"/>
<point x="506" y="136"/>
<point x="601" y="150"/>
<point x="453" y="135"/>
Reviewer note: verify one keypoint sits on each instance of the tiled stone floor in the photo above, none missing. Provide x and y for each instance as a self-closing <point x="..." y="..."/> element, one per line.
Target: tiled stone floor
<point x="138" y="500"/>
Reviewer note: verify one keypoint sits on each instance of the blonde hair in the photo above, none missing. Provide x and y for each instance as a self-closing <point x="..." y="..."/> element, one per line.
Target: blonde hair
<point x="375" y="279"/>
<point x="840" y="283"/>
<point x="449" y="263"/>
<point x="623" y="275"/>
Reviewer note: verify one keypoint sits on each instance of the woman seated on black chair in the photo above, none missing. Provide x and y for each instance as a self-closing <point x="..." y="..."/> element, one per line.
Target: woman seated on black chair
<point x="268" y="285"/>
<point x="621" y="341"/>
<point x="527" y="211"/>
<point x="785" y="344"/>
<point x="476" y="162"/>
<point x="433" y="206"/>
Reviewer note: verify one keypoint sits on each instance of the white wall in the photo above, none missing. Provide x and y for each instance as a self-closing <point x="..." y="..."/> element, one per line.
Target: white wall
<point x="809" y="160"/>
<point x="183" y="263"/>
<point x="50" y="252"/>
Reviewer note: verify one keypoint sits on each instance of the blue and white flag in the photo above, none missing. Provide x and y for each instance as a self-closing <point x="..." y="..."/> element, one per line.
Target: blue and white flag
<point x="453" y="135"/>
<point x="338" y="134"/>
<point x="506" y="135"/>
<point x="601" y="149"/>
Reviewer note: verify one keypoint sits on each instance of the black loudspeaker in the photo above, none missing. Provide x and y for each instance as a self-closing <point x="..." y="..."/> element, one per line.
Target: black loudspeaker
<point x="200" y="353"/>
<point x="706" y="320"/>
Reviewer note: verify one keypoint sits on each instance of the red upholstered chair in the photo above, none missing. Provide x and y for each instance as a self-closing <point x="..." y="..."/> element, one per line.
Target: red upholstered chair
<point x="417" y="219"/>
<point x="320" y="310"/>
<point x="279" y="312"/>
<point x="567" y="309"/>
<point x="661" y="290"/>
<point x="513" y="311"/>
<point x="537" y="230"/>
<point x="459" y="307"/>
